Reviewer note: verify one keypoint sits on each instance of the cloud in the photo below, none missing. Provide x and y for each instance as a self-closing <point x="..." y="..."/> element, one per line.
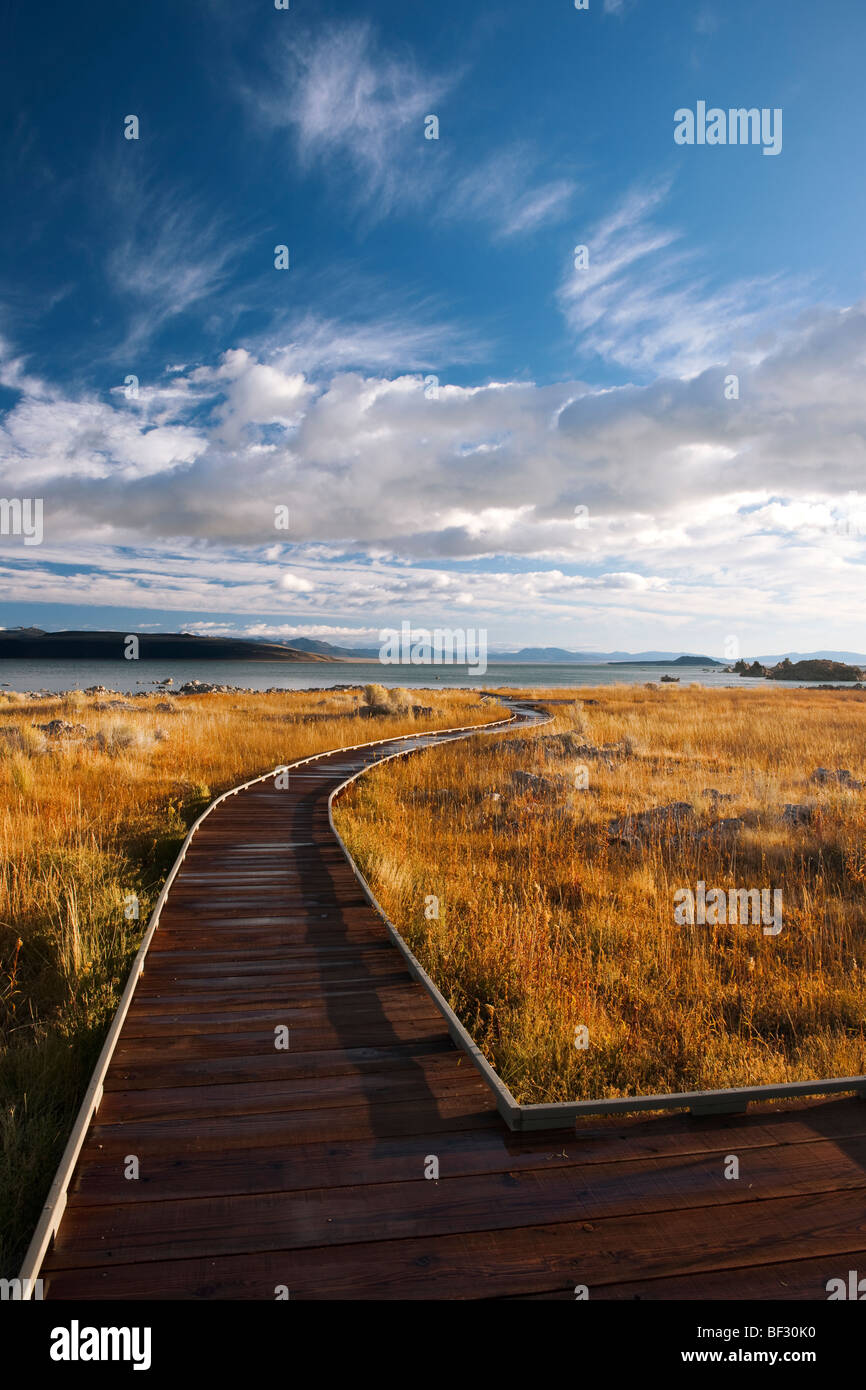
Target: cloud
<point x="505" y="191"/>
<point x="295" y="584"/>
<point x="406" y="338"/>
<point x="357" y="111"/>
<point x="169" y="255"/>
<point x="458" y="502"/>
<point x="351" y="104"/>
<point x="643" y="302"/>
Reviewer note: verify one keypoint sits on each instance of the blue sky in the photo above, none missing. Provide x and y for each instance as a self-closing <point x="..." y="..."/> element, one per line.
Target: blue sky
<point x="432" y="387"/>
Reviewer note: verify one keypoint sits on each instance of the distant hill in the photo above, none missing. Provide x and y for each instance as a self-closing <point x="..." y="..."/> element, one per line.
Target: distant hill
<point x="677" y="661"/>
<point x="33" y="643"/>
<point x="549" y="656"/>
<point x="314" y="644"/>
<point x="559" y="656"/>
<point x="851" y="658"/>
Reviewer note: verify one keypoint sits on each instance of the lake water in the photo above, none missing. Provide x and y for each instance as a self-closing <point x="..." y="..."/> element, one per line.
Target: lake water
<point x="131" y="677"/>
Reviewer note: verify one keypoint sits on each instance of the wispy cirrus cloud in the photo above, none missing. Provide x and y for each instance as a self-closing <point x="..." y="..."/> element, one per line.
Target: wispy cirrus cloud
<point x="358" y="110"/>
<point x="402" y="338"/>
<point x="507" y="192"/>
<point x="169" y="255"/>
<point x="645" y="303"/>
<point x="351" y="105"/>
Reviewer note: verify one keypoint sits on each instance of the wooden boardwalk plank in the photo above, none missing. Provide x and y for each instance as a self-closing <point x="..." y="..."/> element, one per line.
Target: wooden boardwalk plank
<point x="334" y="1215"/>
<point x="827" y="1229"/>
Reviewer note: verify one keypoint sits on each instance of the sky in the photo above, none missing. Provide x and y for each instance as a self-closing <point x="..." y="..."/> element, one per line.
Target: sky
<point x="439" y="411"/>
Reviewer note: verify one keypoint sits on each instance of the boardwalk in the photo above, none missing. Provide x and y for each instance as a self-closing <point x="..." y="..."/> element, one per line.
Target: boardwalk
<point x="265" y="1171"/>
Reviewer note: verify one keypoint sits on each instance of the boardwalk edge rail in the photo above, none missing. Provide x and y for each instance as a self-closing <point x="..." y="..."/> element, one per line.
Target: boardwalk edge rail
<point x="55" y="1203"/>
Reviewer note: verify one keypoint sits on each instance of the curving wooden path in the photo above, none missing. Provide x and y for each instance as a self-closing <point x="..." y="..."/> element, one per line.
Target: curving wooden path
<point x="263" y="1171"/>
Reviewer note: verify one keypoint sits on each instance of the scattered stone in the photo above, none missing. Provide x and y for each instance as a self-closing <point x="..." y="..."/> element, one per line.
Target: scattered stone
<point x="646" y="825"/>
<point x="564" y="745"/>
<point x="59" y="728"/>
<point x="204" y="688"/>
<point x="572" y="746"/>
<point x="840" y="775"/>
<point x="551" y="788"/>
<point x="722" y="832"/>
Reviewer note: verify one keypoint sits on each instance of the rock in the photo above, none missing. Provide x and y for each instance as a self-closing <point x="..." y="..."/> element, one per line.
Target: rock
<point x="551" y="788"/>
<point x="646" y="825"/>
<point x="59" y="728"/>
<point x="721" y="832"/>
<point x="573" y="746"/>
<point x="840" y="775"/>
<point x="565" y="745"/>
<point x="814" y="669"/>
<point x="521" y="745"/>
<point x="203" y="688"/>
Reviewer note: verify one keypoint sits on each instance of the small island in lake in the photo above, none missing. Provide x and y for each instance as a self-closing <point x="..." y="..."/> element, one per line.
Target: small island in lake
<point x="816" y="669"/>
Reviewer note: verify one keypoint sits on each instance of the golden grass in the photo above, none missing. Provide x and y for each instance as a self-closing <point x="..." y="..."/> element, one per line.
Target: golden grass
<point x="89" y="821"/>
<point x="546" y="924"/>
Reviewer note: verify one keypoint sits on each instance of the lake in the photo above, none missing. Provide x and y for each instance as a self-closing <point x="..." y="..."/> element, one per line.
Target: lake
<point x="131" y="677"/>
